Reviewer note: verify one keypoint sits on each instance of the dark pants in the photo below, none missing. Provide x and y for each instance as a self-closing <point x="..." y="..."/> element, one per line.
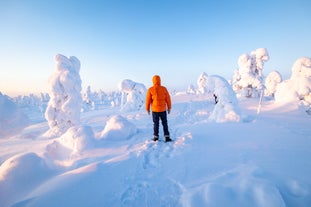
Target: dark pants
<point x="156" y="116"/>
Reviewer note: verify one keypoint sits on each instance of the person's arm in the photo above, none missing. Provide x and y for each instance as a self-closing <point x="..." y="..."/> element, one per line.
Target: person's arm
<point x="168" y="101"/>
<point x="148" y="101"/>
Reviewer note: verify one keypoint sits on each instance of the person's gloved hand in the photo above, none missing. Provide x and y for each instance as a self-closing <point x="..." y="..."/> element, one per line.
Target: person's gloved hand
<point x="148" y="112"/>
<point x="168" y="111"/>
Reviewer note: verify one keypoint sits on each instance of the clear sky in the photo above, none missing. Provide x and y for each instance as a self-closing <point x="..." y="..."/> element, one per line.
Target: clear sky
<point x="135" y="39"/>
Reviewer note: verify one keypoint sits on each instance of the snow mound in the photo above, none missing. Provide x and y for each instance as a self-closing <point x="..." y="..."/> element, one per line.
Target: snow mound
<point x="118" y="128"/>
<point x="78" y="138"/>
<point x="74" y="141"/>
<point x="12" y="119"/>
<point x="227" y="108"/>
<point x="22" y="172"/>
<point x="243" y="186"/>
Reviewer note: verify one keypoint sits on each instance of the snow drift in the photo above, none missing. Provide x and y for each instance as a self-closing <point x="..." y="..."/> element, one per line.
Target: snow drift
<point x="118" y="128"/>
<point x="19" y="174"/>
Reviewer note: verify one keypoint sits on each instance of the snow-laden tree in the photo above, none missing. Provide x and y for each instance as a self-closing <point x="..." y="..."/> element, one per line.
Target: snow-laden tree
<point x="191" y="89"/>
<point x="133" y="95"/>
<point x="65" y="103"/>
<point x="298" y="86"/>
<point x="227" y="108"/>
<point x="202" y="83"/>
<point x="88" y="100"/>
<point x="248" y="79"/>
<point x="271" y="82"/>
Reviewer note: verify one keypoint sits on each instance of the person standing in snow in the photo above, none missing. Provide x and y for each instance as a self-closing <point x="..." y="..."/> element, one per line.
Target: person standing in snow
<point x="160" y="101"/>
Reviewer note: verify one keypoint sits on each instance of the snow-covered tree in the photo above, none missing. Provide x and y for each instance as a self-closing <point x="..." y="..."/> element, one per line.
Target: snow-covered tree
<point x="191" y="89"/>
<point x="227" y="108"/>
<point x="272" y="80"/>
<point x="298" y="86"/>
<point x="202" y="83"/>
<point x="248" y="79"/>
<point x="88" y="100"/>
<point x="65" y="103"/>
<point x="133" y="95"/>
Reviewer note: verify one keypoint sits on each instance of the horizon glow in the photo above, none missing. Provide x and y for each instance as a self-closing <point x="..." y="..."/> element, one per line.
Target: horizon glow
<point x="117" y="40"/>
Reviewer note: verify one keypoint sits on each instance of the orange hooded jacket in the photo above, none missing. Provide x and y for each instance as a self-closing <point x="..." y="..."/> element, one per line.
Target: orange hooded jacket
<point x="158" y="96"/>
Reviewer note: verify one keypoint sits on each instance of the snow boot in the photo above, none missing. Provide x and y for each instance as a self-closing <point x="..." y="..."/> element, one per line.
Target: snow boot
<point x="155" y="138"/>
<point x="168" y="139"/>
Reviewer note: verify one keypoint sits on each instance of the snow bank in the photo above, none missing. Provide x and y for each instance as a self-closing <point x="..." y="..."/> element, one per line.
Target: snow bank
<point x="12" y="119"/>
<point x="298" y="87"/>
<point x="227" y="108"/>
<point x="118" y="128"/>
<point x="133" y="95"/>
<point x="64" y="107"/>
<point x="19" y="174"/>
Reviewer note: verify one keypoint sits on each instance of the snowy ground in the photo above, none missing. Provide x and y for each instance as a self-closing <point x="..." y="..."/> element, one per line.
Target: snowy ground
<point x="264" y="160"/>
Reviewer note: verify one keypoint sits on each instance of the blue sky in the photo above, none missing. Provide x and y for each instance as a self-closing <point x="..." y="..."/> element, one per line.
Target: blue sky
<point x="135" y="39"/>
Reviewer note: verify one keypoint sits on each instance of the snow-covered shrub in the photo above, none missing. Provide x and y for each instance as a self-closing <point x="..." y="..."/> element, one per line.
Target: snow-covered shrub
<point x="118" y="128"/>
<point x="64" y="107"/>
<point x="248" y="79"/>
<point x="227" y="108"/>
<point x="133" y="95"/>
<point x="298" y="86"/>
<point x="12" y="119"/>
<point x="272" y="80"/>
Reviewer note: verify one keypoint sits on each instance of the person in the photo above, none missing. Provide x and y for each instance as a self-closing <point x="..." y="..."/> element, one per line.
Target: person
<point x="158" y="97"/>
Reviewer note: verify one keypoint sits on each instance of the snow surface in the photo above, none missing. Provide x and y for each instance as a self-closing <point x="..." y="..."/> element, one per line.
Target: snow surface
<point x="109" y="159"/>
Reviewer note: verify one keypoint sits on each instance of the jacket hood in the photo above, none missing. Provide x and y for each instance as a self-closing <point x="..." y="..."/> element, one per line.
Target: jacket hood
<point x="156" y="80"/>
